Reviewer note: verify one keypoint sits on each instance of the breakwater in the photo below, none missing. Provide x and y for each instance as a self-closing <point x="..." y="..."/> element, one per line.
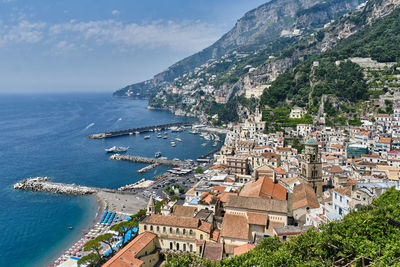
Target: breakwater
<point x="137" y="159"/>
<point x="139" y="130"/>
<point x="43" y="184"/>
<point x="147" y="168"/>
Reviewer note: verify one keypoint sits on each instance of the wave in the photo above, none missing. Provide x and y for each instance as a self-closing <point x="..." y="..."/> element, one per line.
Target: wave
<point x="90" y="125"/>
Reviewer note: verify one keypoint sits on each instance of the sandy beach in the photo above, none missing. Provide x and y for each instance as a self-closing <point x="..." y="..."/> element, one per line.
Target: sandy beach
<point x="123" y="203"/>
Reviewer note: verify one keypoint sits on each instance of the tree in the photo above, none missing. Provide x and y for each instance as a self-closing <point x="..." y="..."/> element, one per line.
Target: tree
<point x="92" y="245"/>
<point x="91" y="259"/>
<point x="123" y="228"/>
<point x="106" y="239"/>
<point x="138" y="216"/>
<point x="199" y="170"/>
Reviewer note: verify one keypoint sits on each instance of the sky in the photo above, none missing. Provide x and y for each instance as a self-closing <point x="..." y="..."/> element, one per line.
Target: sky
<point x="103" y="45"/>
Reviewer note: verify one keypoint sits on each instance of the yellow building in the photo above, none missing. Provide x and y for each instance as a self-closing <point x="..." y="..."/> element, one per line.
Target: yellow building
<point x="179" y="233"/>
<point x="297" y="113"/>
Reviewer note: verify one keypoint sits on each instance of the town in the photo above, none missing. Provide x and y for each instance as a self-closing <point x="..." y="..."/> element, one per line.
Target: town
<point x="260" y="185"/>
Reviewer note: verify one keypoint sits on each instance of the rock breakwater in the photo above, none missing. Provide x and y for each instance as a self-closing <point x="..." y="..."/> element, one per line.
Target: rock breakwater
<point x="43" y="184"/>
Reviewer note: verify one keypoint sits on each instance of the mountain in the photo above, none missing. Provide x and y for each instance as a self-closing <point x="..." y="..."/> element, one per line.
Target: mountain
<point x="257" y="29"/>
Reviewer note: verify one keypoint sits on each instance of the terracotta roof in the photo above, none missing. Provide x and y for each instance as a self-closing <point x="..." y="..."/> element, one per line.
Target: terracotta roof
<point x="243" y="249"/>
<point x="218" y="167"/>
<point x="304" y="196"/>
<point x="257" y="218"/>
<point x="376" y="156"/>
<point x="288" y="149"/>
<point x="214" y="236"/>
<point x="344" y="191"/>
<point x="385" y="140"/>
<point x="262" y="147"/>
<point x="280" y="171"/>
<point x="265" y="188"/>
<point x="235" y="226"/>
<point x="336" y="169"/>
<point x="223" y="197"/>
<point x="183" y="211"/>
<point x="205" y="227"/>
<point x="126" y="256"/>
<point x="270" y="155"/>
<point x="219" y="188"/>
<point x="158" y="219"/>
<point x="382" y="115"/>
<point x="257" y="204"/>
<point x="336" y="146"/>
<point x="213" y="251"/>
<point x="228" y="248"/>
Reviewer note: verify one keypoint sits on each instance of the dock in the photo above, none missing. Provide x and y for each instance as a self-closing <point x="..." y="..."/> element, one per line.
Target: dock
<point x="139" y="130"/>
<point x="157" y="161"/>
<point x="148" y="168"/>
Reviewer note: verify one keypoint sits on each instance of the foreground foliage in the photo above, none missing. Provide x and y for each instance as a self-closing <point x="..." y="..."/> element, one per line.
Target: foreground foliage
<point x="363" y="237"/>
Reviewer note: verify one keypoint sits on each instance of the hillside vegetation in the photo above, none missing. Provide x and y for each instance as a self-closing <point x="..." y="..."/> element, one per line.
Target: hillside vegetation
<point x="365" y="237"/>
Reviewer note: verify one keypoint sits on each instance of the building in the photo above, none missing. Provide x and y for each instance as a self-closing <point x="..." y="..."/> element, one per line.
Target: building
<point x="304" y="199"/>
<point x="297" y="113"/>
<point x="179" y="233"/>
<point x="238" y="165"/>
<point x="141" y="251"/>
<point x="311" y="166"/>
<point x="264" y="187"/>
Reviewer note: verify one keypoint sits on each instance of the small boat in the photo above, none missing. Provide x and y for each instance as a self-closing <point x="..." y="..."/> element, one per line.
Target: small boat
<point x="70" y="228"/>
<point x="194" y="132"/>
<point x="137" y="132"/>
<point x="165" y="137"/>
<point x="157" y="154"/>
<point x="173" y="143"/>
<point x="159" y="135"/>
<point x="116" y="149"/>
<point x="147" y="137"/>
<point x="204" y="144"/>
<point x="176" y="129"/>
<point x="178" y="139"/>
<point x="215" y="144"/>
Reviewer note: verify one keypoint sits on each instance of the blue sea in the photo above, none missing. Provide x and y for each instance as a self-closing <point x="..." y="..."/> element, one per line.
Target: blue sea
<point x="45" y="135"/>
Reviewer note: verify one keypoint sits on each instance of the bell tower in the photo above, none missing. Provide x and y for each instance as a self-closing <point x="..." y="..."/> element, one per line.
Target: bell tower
<point x="311" y="166"/>
<point x="151" y="206"/>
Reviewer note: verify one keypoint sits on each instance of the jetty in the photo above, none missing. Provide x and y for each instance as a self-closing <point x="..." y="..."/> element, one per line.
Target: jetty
<point x="157" y="161"/>
<point x="43" y="184"/>
<point x="148" y="168"/>
<point x="139" y="130"/>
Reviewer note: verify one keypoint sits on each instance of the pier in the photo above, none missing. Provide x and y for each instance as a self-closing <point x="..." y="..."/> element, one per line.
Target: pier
<point x="157" y="161"/>
<point x="139" y="130"/>
<point x="43" y="184"/>
<point x="148" y="168"/>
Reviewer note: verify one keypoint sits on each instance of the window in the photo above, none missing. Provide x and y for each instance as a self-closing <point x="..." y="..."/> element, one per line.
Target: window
<point x="170" y="245"/>
<point x="184" y="247"/>
<point x="145" y="227"/>
<point x="158" y="228"/>
<point x="191" y="248"/>
<point x="201" y="237"/>
<point x="177" y="246"/>
<point x="190" y="231"/>
<point x="284" y="237"/>
<point x="335" y="195"/>
<point x="184" y="231"/>
<point x="164" y="229"/>
<point x="341" y="199"/>
<point x="177" y="230"/>
<point x="151" y="227"/>
<point x="170" y="230"/>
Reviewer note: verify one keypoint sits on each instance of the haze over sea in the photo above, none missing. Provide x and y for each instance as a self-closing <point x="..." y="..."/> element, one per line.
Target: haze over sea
<point x="45" y="135"/>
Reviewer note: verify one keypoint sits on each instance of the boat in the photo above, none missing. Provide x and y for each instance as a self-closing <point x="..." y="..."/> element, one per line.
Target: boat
<point x="137" y="132"/>
<point x="70" y="228"/>
<point x="194" y="132"/>
<point x="157" y="154"/>
<point x="176" y="129"/>
<point x="159" y="135"/>
<point x="178" y="139"/>
<point x="116" y="149"/>
<point x="173" y="143"/>
<point x="164" y="158"/>
<point x="147" y="137"/>
<point x="215" y="144"/>
<point x="165" y="137"/>
<point x="204" y="144"/>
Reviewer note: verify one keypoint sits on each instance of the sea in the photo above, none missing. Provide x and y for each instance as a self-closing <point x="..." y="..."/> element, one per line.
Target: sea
<point x="46" y="135"/>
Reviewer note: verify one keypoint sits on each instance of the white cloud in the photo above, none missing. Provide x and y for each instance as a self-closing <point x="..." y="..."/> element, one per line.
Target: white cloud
<point x="115" y="12"/>
<point x="188" y="36"/>
<point x="23" y="32"/>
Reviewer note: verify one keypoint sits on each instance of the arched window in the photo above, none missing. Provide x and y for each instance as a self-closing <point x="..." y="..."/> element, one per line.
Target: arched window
<point x="191" y="232"/>
<point x="201" y="237"/>
<point x="164" y="229"/>
<point x="158" y="228"/>
<point x="177" y="246"/>
<point x="145" y="227"/>
<point x="184" y="231"/>
<point x="170" y="245"/>
<point x="170" y="230"/>
<point x="151" y="227"/>
<point x="184" y="247"/>
<point x="191" y="248"/>
<point x="177" y="230"/>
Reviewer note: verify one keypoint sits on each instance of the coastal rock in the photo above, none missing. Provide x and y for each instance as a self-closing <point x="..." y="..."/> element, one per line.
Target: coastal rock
<point x="43" y="184"/>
